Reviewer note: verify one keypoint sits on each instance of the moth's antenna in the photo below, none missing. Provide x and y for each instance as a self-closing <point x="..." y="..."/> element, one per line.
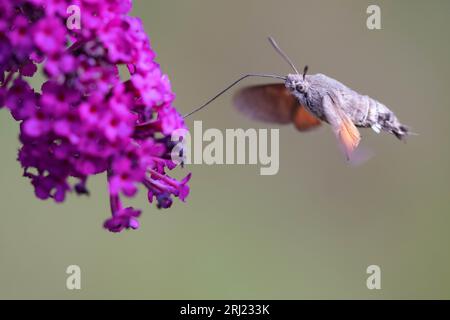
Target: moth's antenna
<point x="232" y="85"/>
<point x="281" y="53"/>
<point x="305" y="70"/>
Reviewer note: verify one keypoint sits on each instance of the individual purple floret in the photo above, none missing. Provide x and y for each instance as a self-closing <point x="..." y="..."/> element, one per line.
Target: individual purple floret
<point x="85" y="119"/>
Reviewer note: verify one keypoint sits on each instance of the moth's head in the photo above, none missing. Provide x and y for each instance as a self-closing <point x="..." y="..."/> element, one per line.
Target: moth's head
<point x="297" y="83"/>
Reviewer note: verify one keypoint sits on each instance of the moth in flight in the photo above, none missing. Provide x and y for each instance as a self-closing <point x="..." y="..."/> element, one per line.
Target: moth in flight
<point x="308" y="100"/>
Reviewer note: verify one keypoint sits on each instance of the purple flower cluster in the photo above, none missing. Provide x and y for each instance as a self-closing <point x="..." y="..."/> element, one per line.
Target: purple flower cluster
<point x="86" y="120"/>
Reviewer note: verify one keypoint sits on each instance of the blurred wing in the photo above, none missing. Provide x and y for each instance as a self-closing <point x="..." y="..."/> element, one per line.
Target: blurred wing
<point x="361" y="155"/>
<point x="273" y="103"/>
<point x="304" y="120"/>
<point x="343" y="127"/>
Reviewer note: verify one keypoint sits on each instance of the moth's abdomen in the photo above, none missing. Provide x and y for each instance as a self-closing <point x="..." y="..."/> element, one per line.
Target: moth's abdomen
<point x="379" y="117"/>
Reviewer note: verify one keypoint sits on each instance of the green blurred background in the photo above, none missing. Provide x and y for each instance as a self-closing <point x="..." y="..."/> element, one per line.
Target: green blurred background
<point x="308" y="232"/>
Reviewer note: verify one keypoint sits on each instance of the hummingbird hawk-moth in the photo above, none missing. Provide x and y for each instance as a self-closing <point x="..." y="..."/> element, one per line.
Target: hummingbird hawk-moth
<point x="308" y="100"/>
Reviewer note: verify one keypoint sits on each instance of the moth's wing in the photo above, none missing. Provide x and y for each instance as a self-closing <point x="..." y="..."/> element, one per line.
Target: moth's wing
<point x="274" y="103"/>
<point x="343" y="127"/>
<point x="361" y="155"/>
<point x="267" y="103"/>
<point x="304" y="120"/>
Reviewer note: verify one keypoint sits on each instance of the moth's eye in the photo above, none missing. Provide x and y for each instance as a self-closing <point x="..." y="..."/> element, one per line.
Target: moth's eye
<point x="300" y="87"/>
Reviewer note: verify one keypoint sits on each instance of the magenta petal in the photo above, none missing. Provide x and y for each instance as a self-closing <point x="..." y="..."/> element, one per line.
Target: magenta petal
<point x="33" y="127"/>
<point x="134" y="223"/>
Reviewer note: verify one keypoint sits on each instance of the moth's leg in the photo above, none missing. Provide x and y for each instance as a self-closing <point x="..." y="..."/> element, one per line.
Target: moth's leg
<point x="343" y="127"/>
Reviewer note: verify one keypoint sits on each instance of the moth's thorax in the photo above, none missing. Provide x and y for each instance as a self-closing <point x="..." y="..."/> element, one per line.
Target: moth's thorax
<point x="308" y="92"/>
